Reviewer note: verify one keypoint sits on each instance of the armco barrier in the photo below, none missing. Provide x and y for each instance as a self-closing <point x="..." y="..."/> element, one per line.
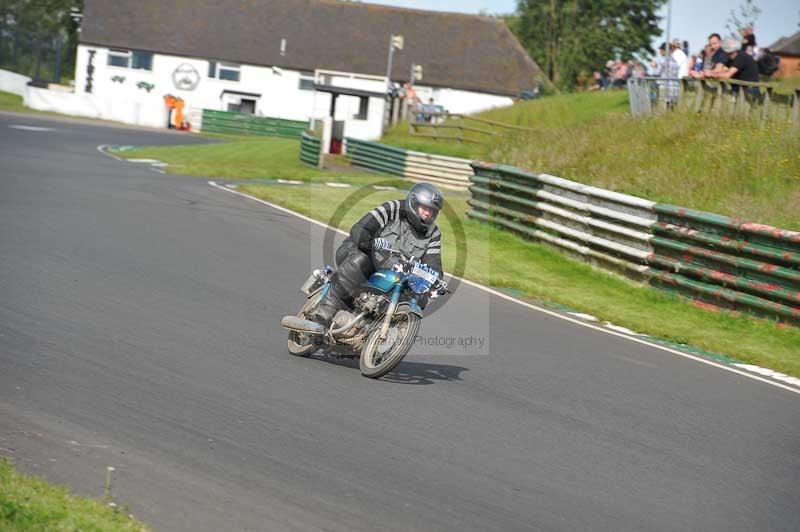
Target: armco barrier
<point x="603" y="227"/>
<point x="246" y="124"/>
<point x="311" y="150"/>
<point x="727" y="262"/>
<point x="710" y="258"/>
<point x="416" y="166"/>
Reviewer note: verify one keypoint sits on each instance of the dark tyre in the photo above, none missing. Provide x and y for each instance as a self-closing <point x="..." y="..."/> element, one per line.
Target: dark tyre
<point x="379" y="358"/>
<point x="300" y="344"/>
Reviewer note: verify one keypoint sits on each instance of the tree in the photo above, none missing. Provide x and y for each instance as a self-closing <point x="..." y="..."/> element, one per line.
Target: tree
<point x="567" y="37"/>
<point x="31" y="30"/>
<point x="745" y="17"/>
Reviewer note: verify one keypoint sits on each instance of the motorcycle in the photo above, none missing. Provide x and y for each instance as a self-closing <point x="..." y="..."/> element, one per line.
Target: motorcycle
<point x="385" y="319"/>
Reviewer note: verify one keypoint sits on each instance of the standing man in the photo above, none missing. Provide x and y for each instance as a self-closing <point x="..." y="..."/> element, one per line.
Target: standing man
<point x="739" y="66"/>
<point x="680" y="57"/>
<point x="714" y="58"/>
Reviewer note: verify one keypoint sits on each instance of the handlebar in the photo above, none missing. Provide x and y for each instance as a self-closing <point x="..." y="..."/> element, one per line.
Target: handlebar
<point x="408" y="258"/>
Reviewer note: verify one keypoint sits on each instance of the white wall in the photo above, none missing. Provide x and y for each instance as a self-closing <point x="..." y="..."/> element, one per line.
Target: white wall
<point x="280" y="95"/>
<point x="144" y="112"/>
<point x="279" y="89"/>
<point x="13" y="82"/>
<point x="462" y="102"/>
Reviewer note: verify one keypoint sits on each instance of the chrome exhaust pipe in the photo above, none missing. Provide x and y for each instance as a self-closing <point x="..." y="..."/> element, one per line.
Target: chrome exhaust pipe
<point x="293" y="323"/>
<point x="349" y="325"/>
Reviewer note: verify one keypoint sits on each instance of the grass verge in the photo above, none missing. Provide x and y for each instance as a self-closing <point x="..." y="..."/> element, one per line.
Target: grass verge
<point x="12" y="102"/>
<point x="507" y="262"/>
<point x="739" y="168"/>
<point x="28" y="503"/>
<point x="249" y="158"/>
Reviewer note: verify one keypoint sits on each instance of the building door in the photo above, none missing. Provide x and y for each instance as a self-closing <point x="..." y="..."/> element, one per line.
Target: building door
<point x="337" y="136"/>
<point x="247" y="106"/>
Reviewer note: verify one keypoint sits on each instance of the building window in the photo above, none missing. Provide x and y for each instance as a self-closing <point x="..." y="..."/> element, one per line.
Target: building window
<point x="363" y="108"/>
<point x="131" y="59"/>
<point x="142" y="60"/>
<point x="306" y="82"/>
<point x="226" y="71"/>
<point x="229" y="71"/>
<point x="119" y="58"/>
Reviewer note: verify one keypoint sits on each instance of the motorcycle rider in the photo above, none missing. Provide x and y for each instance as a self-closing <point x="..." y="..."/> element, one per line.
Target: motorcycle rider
<point x="408" y="225"/>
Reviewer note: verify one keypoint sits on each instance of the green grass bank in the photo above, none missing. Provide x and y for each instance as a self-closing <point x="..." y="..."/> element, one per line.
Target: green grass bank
<point x="738" y="168"/>
<point x="248" y="158"/>
<point x="29" y="504"/>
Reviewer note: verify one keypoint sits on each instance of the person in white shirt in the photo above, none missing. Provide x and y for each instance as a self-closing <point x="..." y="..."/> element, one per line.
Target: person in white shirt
<point x="680" y="58"/>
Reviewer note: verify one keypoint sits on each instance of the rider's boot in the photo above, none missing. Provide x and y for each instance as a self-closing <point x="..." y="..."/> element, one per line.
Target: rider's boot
<point x="328" y="307"/>
<point x="353" y="269"/>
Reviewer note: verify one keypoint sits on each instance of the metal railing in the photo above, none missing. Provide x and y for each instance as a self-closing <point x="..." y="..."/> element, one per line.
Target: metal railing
<point x="246" y="124"/>
<point x="723" y="97"/>
<point x="413" y="165"/>
<point x="712" y="259"/>
<point x="460" y="127"/>
<point x="311" y="150"/>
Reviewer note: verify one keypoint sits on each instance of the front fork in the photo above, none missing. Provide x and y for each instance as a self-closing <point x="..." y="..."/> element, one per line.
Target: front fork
<point x="387" y="320"/>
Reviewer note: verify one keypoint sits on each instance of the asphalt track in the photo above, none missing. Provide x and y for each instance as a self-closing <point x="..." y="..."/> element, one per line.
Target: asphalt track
<point x="139" y="329"/>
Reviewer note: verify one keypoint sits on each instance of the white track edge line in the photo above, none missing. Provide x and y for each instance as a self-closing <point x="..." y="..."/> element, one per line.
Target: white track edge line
<point x="102" y="149"/>
<point x="540" y="309"/>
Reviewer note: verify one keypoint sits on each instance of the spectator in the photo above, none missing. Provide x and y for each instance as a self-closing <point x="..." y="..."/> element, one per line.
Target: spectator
<point x="621" y="74"/>
<point x="680" y="58"/>
<point x="718" y="55"/>
<point x="714" y="58"/>
<point x="429" y="110"/>
<point x="740" y="66"/>
<point x="668" y="68"/>
<point x="696" y="63"/>
<point x="598" y="83"/>
<point x="748" y="40"/>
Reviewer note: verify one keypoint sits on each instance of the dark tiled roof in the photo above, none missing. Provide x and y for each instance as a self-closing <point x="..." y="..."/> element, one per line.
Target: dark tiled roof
<point x="787" y="45"/>
<point x="459" y="51"/>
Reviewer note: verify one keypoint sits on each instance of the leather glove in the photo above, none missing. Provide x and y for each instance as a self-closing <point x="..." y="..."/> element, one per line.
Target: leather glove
<point x="380" y="244"/>
<point x="440" y="289"/>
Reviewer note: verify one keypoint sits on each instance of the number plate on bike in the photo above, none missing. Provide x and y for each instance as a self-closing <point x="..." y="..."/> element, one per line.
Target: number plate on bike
<point x="424" y="272"/>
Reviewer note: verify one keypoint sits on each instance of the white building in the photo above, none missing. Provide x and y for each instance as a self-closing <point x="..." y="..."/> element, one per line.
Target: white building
<point x="261" y="56"/>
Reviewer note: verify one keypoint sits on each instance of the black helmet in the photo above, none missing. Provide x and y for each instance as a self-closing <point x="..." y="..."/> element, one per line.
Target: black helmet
<point x="423" y="194"/>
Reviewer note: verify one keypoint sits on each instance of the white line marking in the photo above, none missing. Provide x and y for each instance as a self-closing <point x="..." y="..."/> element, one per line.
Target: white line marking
<point x="581" y="315"/>
<point x="540" y="309"/>
<point x="31" y="128"/>
<point x="338" y="185"/>
<point x="156" y="170"/>
<point x="770" y="373"/>
<point x="382" y="187"/>
<point x="623" y="330"/>
<point x="290" y="182"/>
<point x="160" y="164"/>
<point x="147" y="161"/>
<point x="102" y="149"/>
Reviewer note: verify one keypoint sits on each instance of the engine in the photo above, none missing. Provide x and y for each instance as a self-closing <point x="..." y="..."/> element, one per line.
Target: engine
<point x="341" y="319"/>
<point x="370" y="302"/>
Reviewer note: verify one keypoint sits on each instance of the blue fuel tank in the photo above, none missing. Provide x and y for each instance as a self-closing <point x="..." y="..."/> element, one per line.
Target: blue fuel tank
<point x="384" y="280"/>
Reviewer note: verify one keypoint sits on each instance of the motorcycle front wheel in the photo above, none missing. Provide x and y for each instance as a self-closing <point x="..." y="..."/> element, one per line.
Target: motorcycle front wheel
<point x="300" y="344"/>
<point x="379" y="358"/>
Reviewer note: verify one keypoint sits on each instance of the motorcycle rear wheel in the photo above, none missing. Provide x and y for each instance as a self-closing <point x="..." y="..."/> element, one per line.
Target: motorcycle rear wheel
<point x="377" y="360"/>
<point x="300" y="344"/>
